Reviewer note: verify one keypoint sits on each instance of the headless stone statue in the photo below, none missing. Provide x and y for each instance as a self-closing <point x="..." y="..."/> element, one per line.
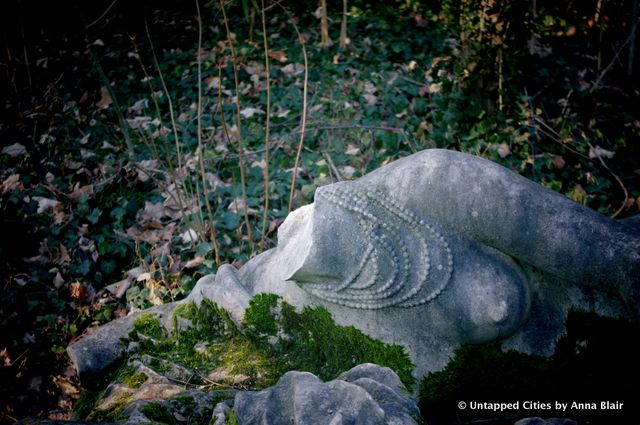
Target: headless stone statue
<point x="441" y="249"/>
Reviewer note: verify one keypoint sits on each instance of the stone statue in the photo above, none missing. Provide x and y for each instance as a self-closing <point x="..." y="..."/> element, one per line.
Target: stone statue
<point x="440" y="249"/>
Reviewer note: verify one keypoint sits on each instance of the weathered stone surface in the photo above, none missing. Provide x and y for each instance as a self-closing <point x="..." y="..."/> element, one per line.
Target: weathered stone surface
<point x="436" y="250"/>
<point x="356" y="397"/>
<point x="100" y="348"/>
<point x="443" y="248"/>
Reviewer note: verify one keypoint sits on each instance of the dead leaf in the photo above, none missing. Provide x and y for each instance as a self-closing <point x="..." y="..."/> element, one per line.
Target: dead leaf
<point x="62" y="256"/>
<point x="45" y="204"/>
<point x="150" y="213"/>
<point x="238" y="205"/>
<point x="558" y="161"/>
<point x="118" y="289"/>
<point x="139" y="105"/>
<point x="11" y="183"/>
<point x="578" y="194"/>
<point x="195" y="263"/>
<point x="143" y="277"/>
<point x="347" y="171"/>
<point x="58" y="281"/>
<point x="189" y="236"/>
<point x="66" y="386"/>
<point x="78" y="291"/>
<point x="35" y="383"/>
<point x="504" y="150"/>
<point x="278" y="55"/>
<point x="78" y="191"/>
<point x="14" y="150"/>
<point x="105" y="98"/>
<point x="371" y="99"/>
<point x="249" y="112"/>
<point x="598" y="152"/>
<point x="292" y="69"/>
<point x="212" y="83"/>
<point x="352" y="149"/>
<point x="6" y="359"/>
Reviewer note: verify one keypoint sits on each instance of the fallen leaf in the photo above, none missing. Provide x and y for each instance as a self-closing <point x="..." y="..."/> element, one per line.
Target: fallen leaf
<point x="78" y="191"/>
<point x="347" y="171"/>
<point x="78" y="290"/>
<point x="195" y="263"/>
<point x="14" y="150"/>
<point x="598" y="152"/>
<point x="143" y="277"/>
<point x="504" y="150"/>
<point x="58" y="281"/>
<point x="292" y="69"/>
<point x="249" y="112"/>
<point x="238" y="205"/>
<point x="558" y="161"/>
<point x="212" y="83"/>
<point x="35" y="383"/>
<point x="45" y="204"/>
<point x="139" y="105"/>
<point x="278" y="55"/>
<point x="352" y="149"/>
<point x="11" y="183"/>
<point x="66" y="386"/>
<point x="105" y="98"/>
<point x="189" y="236"/>
<point x="118" y="289"/>
<point x="578" y="194"/>
<point x="6" y="359"/>
<point x="371" y="99"/>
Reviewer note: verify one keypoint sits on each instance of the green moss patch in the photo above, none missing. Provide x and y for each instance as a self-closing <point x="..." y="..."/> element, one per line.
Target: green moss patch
<point x="311" y="341"/>
<point x="274" y="339"/>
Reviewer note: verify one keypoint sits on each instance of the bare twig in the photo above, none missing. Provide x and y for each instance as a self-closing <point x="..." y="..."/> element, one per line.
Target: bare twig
<point x="240" y="144"/>
<point x="99" y="18"/>
<point x="212" y="226"/>
<point x="265" y="213"/>
<point x="616" y="56"/>
<point x="350" y="127"/>
<point x="303" y="120"/>
<point x="332" y="166"/>
<point x="179" y="183"/>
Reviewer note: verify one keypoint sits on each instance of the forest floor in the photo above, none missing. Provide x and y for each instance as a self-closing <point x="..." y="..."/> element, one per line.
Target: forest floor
<point x="136" y="159"/>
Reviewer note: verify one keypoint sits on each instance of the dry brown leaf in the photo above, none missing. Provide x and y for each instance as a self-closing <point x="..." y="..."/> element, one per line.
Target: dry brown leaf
<point x="558" y="161"/>
<point x="14" y="150"/>
<point x="58" y="281"/>
<point x="66" y="386"/>
<point x="118" y="289"/>
<point x="504" y="150"/>
<point x="292" y="69"/>
<point x="105" y="98"/>
<point x="11" y="183"/>
<point x="278" y="55"/>
<point x="35" y="383"/>
<point x="6" y="358"/>
<point x="78" y="291"/>
<point x="195" y="263"/>
<point x="78" y="191"/>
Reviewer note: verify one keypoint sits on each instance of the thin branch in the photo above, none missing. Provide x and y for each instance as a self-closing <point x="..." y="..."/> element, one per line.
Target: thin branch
<point x="101" y="16"/>
<point x="615" y="58"/>
<point x="240" y="145"/>
<point x="265" y="213"/>
<point x="212" y="226"/>
<point x="303" y="123"/>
